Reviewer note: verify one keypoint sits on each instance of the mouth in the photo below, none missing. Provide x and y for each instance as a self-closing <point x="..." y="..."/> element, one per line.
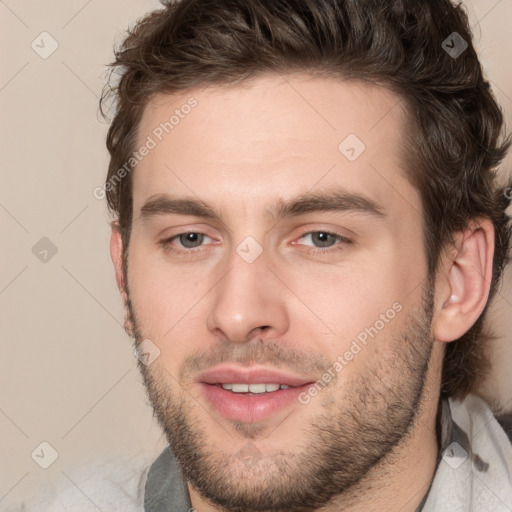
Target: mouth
<point x="250" y="394"/>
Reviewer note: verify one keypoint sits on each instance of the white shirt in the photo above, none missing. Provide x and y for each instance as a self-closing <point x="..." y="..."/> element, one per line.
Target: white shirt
<point x="473" y="474"/>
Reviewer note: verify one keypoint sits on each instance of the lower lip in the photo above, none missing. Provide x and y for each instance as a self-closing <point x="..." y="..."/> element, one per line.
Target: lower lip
<point x="250" y="408"/>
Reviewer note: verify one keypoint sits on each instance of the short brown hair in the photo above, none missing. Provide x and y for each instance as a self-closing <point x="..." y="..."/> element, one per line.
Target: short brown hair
<point x="454" y="143"/>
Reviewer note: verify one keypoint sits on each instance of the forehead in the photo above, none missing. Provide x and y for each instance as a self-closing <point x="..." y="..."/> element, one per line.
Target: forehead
<point x="273" y="137"/>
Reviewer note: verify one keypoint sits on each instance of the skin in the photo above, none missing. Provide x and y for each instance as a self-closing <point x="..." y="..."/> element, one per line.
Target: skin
<point x="240" y="150"/>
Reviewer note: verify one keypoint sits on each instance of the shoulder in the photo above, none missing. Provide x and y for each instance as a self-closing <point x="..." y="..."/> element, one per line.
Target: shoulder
<point x="474" y="468"/>
<point x="490" y="452"/>
<point x="479" y="420"/>
<point x="116" y="485"/>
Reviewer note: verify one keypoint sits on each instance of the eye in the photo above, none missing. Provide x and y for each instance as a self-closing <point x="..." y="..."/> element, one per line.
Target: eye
<point x="323" y="241"/>
<point x="189" y="240"/>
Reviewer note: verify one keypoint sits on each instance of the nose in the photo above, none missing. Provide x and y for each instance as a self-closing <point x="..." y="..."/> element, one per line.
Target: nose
<point x="248" y="301"/>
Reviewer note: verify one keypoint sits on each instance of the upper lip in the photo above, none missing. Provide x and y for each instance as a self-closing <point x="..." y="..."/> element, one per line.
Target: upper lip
<point x="233" y="374"/>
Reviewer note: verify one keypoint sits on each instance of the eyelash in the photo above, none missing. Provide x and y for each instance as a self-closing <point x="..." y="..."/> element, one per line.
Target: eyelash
<point x="166" y="243"/>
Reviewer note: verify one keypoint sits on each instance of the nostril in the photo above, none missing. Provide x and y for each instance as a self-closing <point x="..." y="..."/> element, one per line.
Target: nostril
<point x="262" y="328"/>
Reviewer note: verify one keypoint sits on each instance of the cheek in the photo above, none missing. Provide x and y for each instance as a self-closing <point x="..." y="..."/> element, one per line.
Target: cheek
<point x="357" y="306"/>
<point x="354" y="294"/>
<point x="343" y="307"/>
<point x="164" y="297"/>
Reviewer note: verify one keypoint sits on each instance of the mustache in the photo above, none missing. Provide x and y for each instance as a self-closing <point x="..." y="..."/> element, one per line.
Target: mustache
<point x="265" y="352"/>
<point x="258" y="351"/>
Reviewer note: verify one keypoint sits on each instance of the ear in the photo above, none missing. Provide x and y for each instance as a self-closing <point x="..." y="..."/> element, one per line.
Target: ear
<point x="116" y="253"/>
<point x="463" y="280"/>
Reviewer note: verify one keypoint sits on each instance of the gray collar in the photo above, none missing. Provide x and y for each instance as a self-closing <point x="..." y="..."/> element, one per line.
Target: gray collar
<point x="166" y="489"/>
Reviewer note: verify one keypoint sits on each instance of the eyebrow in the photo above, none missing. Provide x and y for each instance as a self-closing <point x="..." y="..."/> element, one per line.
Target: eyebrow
<point x="331" y="201"/>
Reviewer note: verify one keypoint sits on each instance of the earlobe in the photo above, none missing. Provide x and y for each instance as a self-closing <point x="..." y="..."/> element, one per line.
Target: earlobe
<point x="464" y="281"/>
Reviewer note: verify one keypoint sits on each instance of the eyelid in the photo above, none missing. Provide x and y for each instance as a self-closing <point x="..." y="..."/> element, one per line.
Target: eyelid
<point x="326" y="232"/>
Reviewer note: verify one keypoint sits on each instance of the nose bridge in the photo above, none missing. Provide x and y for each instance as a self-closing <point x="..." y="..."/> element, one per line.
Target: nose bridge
<point x="248" y="296"/>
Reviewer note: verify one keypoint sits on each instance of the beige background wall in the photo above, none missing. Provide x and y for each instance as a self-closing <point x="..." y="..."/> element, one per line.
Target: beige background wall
<point x="67" y="373"/>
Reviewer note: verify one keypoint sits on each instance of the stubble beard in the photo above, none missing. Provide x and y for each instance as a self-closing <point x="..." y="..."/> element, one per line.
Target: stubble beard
<point x="341" y="445"/>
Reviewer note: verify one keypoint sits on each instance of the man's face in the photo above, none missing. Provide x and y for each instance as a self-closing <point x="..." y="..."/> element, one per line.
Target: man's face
<point x="332" y="296"/>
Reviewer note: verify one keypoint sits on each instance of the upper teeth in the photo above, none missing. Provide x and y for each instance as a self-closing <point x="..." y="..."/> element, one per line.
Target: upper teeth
<point x="254" y="388"/>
